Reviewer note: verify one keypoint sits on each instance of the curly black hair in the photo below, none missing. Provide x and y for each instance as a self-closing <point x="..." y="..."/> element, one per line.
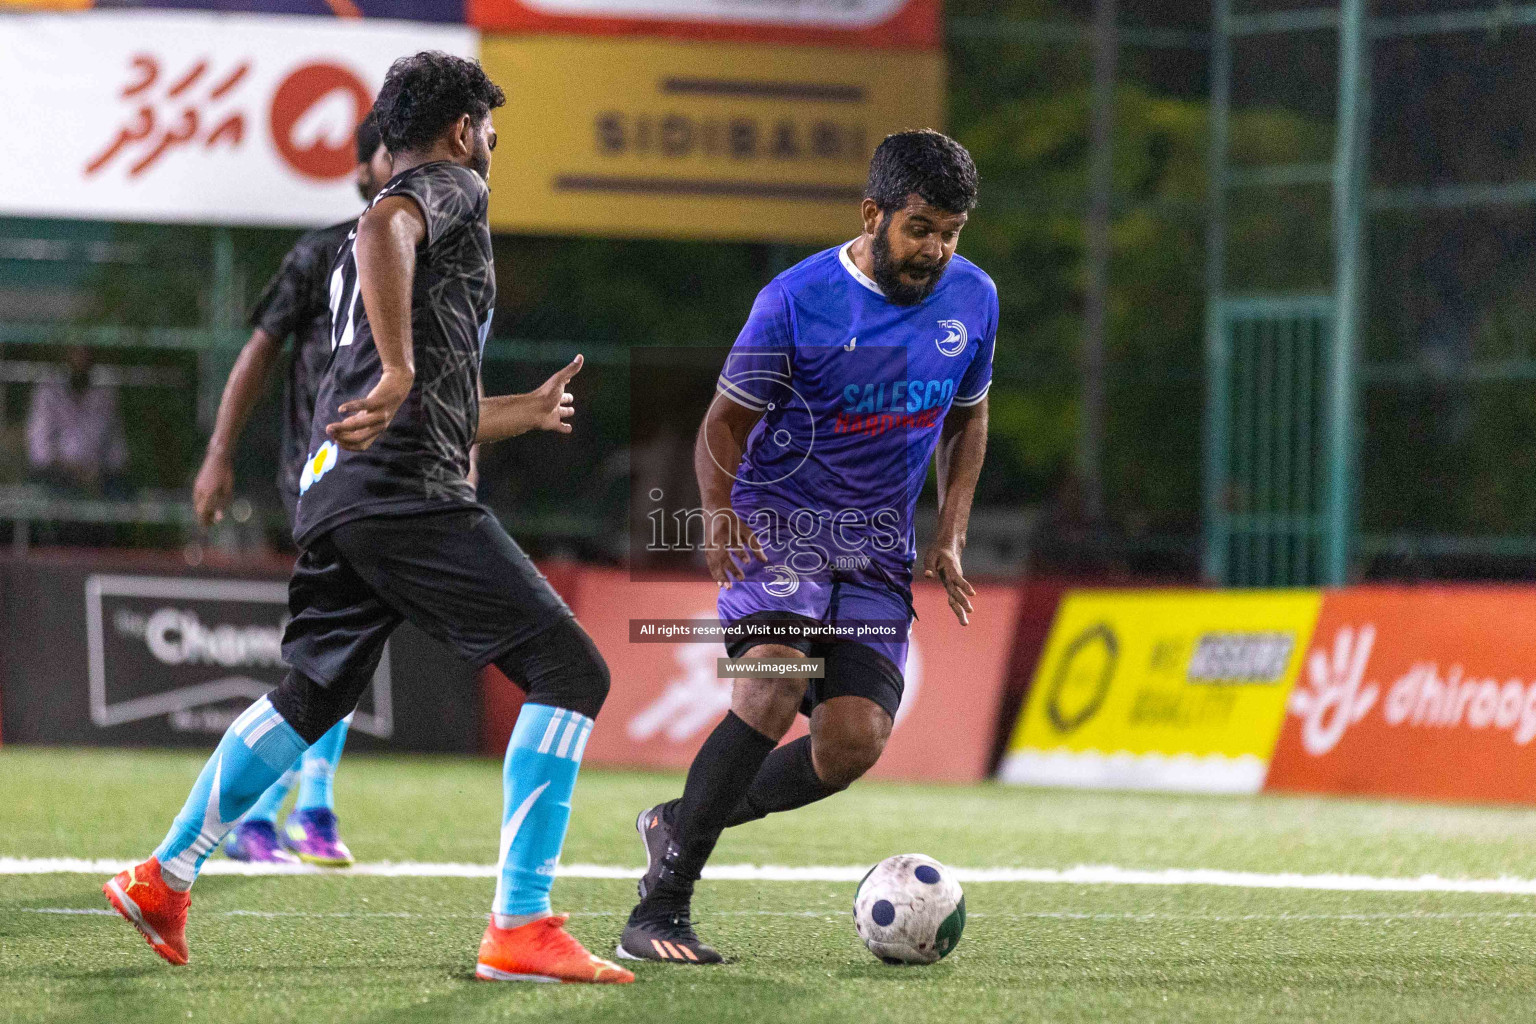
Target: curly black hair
<point x="924" y="161"/>
<point x="425" y="93"/>
<point x="368" y="137"/>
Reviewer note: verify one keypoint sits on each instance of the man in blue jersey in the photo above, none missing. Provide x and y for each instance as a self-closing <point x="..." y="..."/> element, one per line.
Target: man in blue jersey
<point x="856" y="367"/>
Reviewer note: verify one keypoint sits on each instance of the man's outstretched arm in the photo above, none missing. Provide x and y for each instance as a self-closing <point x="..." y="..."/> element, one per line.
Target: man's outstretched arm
<point x="962" y="447"/>
<point x="547" y="407"/>
<point x="247" y="382"/>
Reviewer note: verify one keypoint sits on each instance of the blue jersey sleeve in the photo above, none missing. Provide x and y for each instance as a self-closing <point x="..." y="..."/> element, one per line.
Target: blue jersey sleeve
<point x="978" y="376"/>
<point x="757" y="372"/>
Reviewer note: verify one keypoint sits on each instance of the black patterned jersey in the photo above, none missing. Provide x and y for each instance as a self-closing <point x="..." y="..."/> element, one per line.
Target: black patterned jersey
<point x="421" y="462"/>
<point x="297" y="303"/>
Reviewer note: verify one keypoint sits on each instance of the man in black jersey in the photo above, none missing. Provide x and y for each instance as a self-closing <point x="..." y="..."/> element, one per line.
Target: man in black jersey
<point x="390" y="530"/>
<point x="296" y="303"/>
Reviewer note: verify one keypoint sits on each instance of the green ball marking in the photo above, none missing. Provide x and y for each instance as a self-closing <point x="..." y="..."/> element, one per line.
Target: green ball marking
<point x="861" y="889"/>
<point x="949" y="932"/>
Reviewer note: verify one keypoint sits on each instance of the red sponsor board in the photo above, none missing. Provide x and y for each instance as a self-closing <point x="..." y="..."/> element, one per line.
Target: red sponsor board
<point x="897" y="24"/>
<point x="1426" y="692"/>
<point x="666" y="697"/>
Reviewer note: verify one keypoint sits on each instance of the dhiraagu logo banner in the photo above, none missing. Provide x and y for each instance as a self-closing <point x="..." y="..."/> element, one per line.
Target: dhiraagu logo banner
<point x="1163" y="690"/>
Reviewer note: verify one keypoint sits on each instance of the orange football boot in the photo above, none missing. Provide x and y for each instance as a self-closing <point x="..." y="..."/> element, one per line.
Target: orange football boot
<point x="543" y="950"/>
<point x="155" y="909"/>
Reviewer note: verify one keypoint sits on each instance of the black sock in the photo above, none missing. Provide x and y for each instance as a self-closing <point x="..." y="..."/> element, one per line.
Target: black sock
<point x="786" y="780"/>
<point x="719" y="777"/>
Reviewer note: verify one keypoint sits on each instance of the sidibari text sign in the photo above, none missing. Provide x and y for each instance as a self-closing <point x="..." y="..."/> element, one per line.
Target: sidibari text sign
<point x="666" y="138"/>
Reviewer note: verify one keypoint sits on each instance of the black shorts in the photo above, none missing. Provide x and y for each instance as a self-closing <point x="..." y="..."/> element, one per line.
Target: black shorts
<point x="853" y="669"/>
<point x="455" y="574"/>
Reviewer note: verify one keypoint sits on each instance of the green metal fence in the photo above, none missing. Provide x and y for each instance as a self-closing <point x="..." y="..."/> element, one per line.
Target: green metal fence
<point x="1271" y="499"/>
<point x="1362" y="32"/>
<point x="1283" y="441"/>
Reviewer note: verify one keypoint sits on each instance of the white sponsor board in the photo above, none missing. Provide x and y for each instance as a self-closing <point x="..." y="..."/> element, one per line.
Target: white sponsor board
<point x="196" y="651"/>
<point x="191" y="117"/>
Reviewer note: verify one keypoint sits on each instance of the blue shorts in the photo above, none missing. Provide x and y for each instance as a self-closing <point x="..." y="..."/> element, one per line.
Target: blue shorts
<point x="874" y="603"/>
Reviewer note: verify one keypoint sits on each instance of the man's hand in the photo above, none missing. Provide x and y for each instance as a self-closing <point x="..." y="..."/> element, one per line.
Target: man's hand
<point x="732" y="546"/>
<point x="367" y="418"/>
<point x="942" y="562"/>
<point x="552" y="404"/>
<point x="547" y="407"/>
<point x="210" y="492"/>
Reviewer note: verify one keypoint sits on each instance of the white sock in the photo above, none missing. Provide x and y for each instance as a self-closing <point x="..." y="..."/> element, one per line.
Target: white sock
<point x="505" y="921"/>
<point x="174" y="882"/>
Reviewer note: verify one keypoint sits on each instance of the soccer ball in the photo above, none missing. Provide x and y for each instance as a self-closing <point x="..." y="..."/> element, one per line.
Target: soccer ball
<point x="909" y="910"/>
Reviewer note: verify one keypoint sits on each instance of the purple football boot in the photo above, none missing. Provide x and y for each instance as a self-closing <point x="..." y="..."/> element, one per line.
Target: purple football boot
<point x="311" y="833"/>
<point x="256" y="842"/>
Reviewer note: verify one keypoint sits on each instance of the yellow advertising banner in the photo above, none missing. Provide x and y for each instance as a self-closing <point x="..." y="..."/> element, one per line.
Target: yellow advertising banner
<point x="1168" y="690"/>
<point x="681" y="139"/>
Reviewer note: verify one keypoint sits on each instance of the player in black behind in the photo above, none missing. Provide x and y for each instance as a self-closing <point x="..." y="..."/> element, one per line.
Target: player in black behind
<point x="390" y="530"/>
<point x="296" y="303"/>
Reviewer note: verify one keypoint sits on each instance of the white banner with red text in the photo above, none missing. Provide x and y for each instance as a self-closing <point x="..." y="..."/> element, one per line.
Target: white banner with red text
<point x="192" y="117"/>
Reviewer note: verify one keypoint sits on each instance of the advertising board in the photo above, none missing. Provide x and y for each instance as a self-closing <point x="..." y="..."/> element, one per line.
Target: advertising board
<point x="1164" y="690"/>
<point x="1423" y="692"/>
<point x="194" y="117"/>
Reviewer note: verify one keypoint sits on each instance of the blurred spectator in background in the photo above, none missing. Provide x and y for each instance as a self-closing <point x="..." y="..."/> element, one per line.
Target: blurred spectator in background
<point x="1070" y="540"/>
<point x="75" y="437"/>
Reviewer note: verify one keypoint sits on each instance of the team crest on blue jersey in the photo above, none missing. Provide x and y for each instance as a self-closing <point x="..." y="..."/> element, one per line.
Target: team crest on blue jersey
<point x="955" y="337"/>
<point x="784" y="583"/>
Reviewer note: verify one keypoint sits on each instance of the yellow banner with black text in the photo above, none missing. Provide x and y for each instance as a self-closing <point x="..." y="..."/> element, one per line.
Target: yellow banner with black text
<point x="683" y="139"/>
<point x="1164" y="690"/>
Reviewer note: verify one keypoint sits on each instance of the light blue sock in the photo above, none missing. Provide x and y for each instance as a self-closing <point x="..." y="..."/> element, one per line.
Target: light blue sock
<point x="257" y="748"/>
<point x="537" y="780"/>
<point x="319" y="769"/>
<point x="271" y="801"/>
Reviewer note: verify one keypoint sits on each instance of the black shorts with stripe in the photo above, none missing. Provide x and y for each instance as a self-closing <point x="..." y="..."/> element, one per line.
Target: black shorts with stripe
<point x="853" y="669"/>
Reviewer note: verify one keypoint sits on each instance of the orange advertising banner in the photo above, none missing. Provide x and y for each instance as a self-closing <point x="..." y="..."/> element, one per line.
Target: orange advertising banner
<point x="666" y="697"/>
<point x="1424" y="692"/>
<point x="886" y="24"/>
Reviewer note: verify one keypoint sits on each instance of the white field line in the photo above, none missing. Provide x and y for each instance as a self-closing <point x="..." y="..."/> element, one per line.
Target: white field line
<point x="1081" y="875"/>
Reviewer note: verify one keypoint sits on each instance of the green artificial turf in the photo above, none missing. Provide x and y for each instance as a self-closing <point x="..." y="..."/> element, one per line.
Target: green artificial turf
<point x="321" y="949"/>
